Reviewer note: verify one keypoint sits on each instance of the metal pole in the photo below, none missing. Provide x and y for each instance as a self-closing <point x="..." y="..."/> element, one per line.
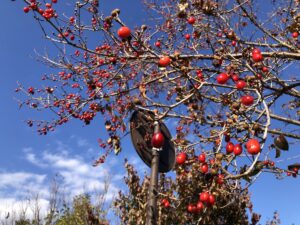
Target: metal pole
<point x="152" y="196"/>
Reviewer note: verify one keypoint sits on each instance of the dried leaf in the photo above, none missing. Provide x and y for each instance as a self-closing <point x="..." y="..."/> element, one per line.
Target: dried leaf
<point x="292" y="166"/>
<point x="281" y="143"/>
<point x="278" y="152"/>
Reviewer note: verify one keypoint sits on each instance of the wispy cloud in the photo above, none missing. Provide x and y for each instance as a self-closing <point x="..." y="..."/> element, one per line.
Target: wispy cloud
<point x="31" y="157"/>
<point x="78" y="176"/>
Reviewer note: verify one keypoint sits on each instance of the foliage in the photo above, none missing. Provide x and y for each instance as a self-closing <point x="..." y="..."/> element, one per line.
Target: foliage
<point x="184" y="190"/>
<point x="82" y="212"/>
<point x="82" y="209"/>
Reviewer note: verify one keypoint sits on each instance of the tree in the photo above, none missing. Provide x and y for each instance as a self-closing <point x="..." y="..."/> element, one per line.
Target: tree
<point x="82" y="209"/>
<point x="221" y="70"/>
<point x="180" y="199"/>
<point x="82" y="212"/>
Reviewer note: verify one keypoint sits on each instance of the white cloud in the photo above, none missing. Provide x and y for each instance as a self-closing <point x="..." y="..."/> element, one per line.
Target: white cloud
<point x="77" y="176"/>
<point x="17" y="179"/>
<point x="82" y="142"/>
<point x="31" y="157"/>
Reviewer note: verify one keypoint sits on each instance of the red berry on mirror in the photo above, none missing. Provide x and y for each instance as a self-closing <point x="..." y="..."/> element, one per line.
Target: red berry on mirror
<point x="158" y="140"/>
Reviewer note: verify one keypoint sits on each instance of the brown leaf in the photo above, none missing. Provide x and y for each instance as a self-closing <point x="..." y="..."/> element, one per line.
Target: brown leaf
<point x="278" y="152"/>
<point x="281" y="143"/>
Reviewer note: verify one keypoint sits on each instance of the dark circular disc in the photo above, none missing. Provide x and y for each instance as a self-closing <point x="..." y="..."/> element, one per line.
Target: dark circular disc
<point x="141" y="130"/>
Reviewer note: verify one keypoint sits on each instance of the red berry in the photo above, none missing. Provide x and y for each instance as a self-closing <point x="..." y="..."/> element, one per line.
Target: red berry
<point x="233" y="43"/>
<point x="259" y="76"/>
<point x="54" y="1"/>
<point x="235" y="77"/>
<point x="191" y="20"/>
<point x="124" y="32"/>
<point x="220" y="179"/>
<point x="247" y="100"/>
<point x="200" y="206"/>
<point x="164" y="61"/>
<point x="256" y="51"/>
<point x="240" y="84"/>
<point x="31" y="90"/>
<point x="180" y="159"/>
<point x="26" y="9"/>
<point x="157" y="44"/>
<point x="187" y="36"/>
<point x="253" y="146"/>
<point x="72" y="19"/>
<point x="222" y="78"/>
<point x="204" y="196"/>
<point x="265" y="69"/>
<point x="211" y="200"/>
<point x="238" y="149"/>
<point x="167" y="204"/>
<point x="202" y="158"/>
<point x="204" y="168"/>
<point x="158" y="140"/>
<point x="229" y="147"/>
<point x="191" y="208"/>
<point x="295" y="34"/>
<point x="257" y="57"/>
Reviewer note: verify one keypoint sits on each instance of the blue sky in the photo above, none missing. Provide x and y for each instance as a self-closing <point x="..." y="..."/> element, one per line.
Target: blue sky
<point x="28" y="161"/>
